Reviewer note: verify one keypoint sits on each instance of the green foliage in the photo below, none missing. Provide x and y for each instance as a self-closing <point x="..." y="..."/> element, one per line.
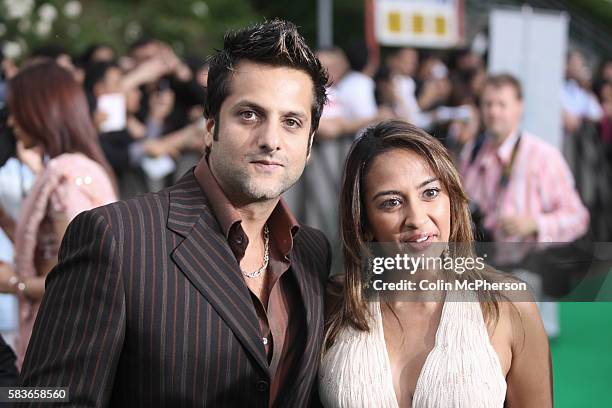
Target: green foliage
<point x="348" y="17"/>
<point x="600" y="11"/>
<point x="190" y="26"/>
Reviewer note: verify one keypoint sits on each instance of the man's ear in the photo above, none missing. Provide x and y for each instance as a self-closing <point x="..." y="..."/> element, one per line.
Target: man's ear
<point x="209" y="134"/>
<point x="310" y="140"/>
<point x="210" y="125"/>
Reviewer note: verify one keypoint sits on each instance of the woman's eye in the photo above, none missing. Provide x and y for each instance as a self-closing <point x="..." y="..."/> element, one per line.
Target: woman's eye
<point x="390" y="203"/>
<point x="431" y="193"/>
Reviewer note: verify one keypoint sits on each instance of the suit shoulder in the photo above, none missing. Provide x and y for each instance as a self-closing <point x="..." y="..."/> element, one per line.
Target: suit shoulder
<point x="133" y="208"/>
<point x="312" y="237"/>
<point x="312" y="244"/>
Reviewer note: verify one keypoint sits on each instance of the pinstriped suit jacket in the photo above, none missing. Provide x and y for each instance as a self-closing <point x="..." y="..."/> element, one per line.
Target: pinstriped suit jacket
<point x="148" y="307"/>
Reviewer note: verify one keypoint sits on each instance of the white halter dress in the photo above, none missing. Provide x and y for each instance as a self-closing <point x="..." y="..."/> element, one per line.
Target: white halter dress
<point x="461" y="371"/>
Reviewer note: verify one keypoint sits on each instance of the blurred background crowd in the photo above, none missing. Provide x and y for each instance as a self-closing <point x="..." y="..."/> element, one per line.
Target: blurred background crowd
<point x="141" y="72"/>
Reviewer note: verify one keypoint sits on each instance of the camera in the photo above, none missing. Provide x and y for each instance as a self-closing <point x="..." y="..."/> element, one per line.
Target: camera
<point x="481" y="234"/>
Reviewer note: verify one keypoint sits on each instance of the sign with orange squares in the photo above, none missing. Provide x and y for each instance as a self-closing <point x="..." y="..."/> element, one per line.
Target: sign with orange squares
<point x="419" y="23"/>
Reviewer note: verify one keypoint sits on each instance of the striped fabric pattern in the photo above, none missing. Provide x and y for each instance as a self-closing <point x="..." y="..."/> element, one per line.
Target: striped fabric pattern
<point x="541" y="186"/>
<point x="148" y="307"/>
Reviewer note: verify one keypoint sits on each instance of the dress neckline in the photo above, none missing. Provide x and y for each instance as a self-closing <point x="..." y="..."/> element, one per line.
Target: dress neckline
<point x="443" y="321"/>
<point x="386" y="351"/>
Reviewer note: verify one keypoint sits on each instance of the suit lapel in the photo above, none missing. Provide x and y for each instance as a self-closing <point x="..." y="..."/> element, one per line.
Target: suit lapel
<point x="205" y="258"/>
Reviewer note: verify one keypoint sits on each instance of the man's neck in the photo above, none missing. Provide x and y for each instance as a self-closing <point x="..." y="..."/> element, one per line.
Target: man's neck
<point x="498" y="141"/>
<point x="255" y="215"/>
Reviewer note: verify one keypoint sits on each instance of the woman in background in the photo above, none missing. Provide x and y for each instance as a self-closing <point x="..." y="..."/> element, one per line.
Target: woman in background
<point x="49" y="115"/>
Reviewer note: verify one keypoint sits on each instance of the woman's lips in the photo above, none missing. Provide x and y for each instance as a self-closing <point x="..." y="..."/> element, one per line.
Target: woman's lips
<point x="420" y="242"/>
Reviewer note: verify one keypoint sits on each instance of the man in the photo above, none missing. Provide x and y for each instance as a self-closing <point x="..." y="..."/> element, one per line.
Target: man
<point x="522" y="185"/>
<point x="580" y="110"/>
<point x="207" y="293"/>
<point x="578" y="102"/>
<point x="355" y="89"/>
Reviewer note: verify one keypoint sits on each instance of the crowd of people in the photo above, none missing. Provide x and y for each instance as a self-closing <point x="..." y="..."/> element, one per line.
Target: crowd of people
<point x="139" y="117"/>
<point x="79" y="133"/>
<point x="441" y="92"/>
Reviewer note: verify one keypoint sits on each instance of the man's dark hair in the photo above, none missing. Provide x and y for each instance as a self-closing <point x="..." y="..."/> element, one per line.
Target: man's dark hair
<point x="275" y="43"/>
<point x="500" y="80"/>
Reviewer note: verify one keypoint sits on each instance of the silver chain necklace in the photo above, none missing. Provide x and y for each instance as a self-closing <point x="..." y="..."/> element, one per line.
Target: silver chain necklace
<point x="266" y="258"/>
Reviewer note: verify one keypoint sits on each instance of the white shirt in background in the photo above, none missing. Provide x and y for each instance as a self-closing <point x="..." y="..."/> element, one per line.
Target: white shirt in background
<point x="356" y="95"/>
<point x="578" y="102"/>
<point x="405" y="88"/>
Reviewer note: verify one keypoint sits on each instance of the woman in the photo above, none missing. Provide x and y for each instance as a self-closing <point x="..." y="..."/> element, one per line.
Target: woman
<point x="400" y="187"/>
<point x="49" y="114"/>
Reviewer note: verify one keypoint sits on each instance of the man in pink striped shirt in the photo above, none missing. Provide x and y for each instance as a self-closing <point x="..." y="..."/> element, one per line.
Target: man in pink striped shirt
<point x="522" y="184"/>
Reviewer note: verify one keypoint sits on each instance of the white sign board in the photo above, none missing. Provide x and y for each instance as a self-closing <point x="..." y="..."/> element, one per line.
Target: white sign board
<point x="419" y="23"/>
<point x="532" y="46"/>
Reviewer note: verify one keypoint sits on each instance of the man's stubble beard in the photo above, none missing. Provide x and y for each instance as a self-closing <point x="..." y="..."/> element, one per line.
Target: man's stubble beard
<point x="244" y="185"/>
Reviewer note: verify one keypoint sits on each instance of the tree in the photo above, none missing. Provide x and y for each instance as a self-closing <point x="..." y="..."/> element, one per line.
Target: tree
<point x="190" y="26"/>
<point x="348" y="17"/>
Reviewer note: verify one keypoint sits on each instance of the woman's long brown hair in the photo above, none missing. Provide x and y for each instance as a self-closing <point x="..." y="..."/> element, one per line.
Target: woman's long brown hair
<point x="351" y="308"/>
<point x="51" y="107"/>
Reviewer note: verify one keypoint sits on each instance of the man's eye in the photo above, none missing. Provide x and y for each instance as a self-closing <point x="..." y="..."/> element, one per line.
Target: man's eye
<point x="391" y="203"/>
<point x="292" y="123"/>
<point x="431" y="193"/>
<point x="248" y="115"/>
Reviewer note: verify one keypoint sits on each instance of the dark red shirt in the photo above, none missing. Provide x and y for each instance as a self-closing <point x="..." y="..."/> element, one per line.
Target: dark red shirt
<point x="283" y="318"/>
